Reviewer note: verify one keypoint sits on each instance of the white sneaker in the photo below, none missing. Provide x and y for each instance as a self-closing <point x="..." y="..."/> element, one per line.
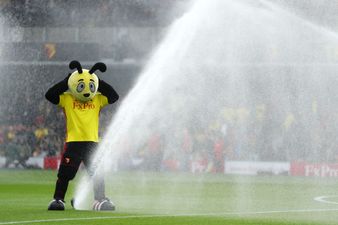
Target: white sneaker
<point x="103" y="205"/>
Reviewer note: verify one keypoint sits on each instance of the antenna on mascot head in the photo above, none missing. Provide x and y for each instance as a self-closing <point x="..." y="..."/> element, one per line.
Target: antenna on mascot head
<point x="75" y="64"/>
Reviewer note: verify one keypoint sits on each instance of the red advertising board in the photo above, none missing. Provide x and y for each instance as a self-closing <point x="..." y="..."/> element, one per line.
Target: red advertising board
<point x="314" y="169"/>
<point x="51" y="162"/>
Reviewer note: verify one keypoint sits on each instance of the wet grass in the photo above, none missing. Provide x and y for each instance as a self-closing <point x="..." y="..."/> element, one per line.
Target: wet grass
<point x="168" y="198"/>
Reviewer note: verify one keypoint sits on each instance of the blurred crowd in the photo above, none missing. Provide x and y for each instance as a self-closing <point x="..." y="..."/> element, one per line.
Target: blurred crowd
<point x="78" y="13"/>
<point x="31" y="126"/>
<point x="26" y="129"/>
<point x="240" y="133"/>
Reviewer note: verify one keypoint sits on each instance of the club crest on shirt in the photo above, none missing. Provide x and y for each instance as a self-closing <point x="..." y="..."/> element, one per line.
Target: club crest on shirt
<point x="83" y="105"/>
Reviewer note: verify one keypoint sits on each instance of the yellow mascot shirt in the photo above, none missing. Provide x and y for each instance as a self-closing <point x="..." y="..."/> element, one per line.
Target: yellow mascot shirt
<point x="82" y="118"/>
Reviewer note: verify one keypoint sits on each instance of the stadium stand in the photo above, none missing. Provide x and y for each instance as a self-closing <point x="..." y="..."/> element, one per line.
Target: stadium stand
<point x="44" y="35"/>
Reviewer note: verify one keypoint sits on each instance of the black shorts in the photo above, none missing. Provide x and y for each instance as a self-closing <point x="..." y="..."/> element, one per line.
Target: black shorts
<point x="73" y="154"/>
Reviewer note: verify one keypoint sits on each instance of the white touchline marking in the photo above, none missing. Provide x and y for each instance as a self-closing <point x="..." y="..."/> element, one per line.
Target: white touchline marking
<point x="323" y="199"/>
<point x="168" y="215"/>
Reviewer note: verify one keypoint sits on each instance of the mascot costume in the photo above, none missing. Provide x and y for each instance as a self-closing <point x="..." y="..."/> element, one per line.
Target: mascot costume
<point x="81" y="95"/>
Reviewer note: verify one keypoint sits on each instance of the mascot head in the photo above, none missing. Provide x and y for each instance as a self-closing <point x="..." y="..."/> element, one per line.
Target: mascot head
<point x="83" y="84"/>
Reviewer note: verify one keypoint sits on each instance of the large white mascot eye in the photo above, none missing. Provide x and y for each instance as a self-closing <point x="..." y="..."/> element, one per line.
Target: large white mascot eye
<point x="80" y="87"/>
<point x="92" y="87"/>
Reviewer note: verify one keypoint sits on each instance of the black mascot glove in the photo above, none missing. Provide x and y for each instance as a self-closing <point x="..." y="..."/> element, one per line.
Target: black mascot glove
<point x="55" y="91"/>
<point x="108" y="91"/>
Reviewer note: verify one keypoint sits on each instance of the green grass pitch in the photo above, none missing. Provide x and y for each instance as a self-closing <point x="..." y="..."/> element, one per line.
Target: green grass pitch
<point x="169" y="198"/>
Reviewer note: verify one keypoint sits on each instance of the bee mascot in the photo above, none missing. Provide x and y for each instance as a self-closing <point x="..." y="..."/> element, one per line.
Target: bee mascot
<point x="81" y="95"/>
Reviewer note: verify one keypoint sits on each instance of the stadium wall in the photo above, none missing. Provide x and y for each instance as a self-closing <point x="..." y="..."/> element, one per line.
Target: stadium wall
<point x="107" y="35"/>
<point x="139" y="39"/>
